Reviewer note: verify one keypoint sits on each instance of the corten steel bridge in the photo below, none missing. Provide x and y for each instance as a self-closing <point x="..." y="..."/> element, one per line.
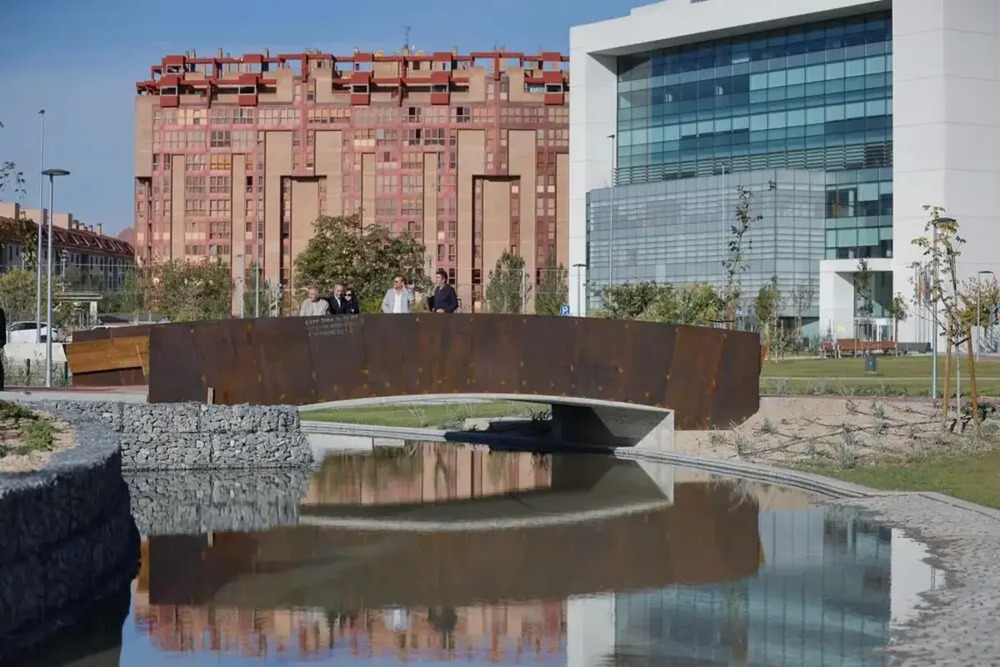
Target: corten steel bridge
<point x="631" y="376"/>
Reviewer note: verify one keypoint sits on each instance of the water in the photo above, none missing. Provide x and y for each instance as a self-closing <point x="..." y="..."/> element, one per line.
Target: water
<point x="442" y="554"/>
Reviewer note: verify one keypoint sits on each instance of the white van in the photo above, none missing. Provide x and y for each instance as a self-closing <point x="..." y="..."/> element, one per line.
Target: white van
<point x="24" y="332"/>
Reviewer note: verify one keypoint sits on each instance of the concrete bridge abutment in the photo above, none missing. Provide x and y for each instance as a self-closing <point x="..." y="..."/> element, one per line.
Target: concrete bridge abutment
<point x="614" y="426"/>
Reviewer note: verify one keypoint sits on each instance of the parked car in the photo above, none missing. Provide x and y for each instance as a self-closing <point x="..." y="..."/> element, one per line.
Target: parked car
<point x="24" y="332"/>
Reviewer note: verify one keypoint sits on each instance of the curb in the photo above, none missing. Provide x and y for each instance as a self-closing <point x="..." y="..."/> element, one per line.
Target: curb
<point x="817" y="484"/>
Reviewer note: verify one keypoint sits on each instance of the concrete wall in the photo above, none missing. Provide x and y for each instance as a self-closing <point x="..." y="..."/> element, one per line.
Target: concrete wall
<point x="66" y="537"/>
<point x="195" y="436"/>
<point x="946" y="133"/>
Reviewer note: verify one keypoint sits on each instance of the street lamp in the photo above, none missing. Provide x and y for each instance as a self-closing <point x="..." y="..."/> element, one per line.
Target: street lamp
<point x="918" y="301"/>
<point x="38" y="240"/>
<point x="579" y="287"/>
<point x="51" y="173"/>
<point x="979" y="310"/>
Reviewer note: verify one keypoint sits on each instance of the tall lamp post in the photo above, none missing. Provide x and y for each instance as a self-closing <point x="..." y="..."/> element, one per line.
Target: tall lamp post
<point x="51" y="173"/>
<point x="611" y="228"/>
<point x="979" y="310"/>
<point x="41" y="224"/>
<point x="579" y="288"/>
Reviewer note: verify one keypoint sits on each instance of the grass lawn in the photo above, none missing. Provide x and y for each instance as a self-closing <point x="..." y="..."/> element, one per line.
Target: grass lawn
<point x="425" y="415"/>
<point x="973" y="478"/>
<point x="906" y="375"/>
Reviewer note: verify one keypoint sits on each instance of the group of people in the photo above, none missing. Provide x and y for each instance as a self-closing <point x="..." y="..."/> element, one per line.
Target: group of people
<point x="398" y="299"/>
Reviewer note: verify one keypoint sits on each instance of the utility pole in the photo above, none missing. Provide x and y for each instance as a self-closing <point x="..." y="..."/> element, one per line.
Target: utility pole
<point x="41" y="226"/>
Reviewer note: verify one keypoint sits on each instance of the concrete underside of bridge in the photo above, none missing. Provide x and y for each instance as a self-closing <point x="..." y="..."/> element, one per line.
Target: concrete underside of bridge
<point x="608" y="426"/>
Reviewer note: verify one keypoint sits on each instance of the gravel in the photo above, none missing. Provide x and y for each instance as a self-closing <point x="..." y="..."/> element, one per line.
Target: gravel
<point x="196" y="436"/>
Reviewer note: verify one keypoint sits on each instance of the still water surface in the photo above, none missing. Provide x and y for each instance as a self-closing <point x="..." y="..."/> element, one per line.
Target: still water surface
<point x="441" y="554"/>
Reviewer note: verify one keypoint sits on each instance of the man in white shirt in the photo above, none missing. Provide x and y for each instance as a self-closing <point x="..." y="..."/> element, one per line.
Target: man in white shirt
<point x="399" y="298"/>
<point x="314" y="306"/>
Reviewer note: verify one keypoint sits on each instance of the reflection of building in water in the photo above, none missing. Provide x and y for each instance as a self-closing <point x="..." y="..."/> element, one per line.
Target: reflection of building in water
<point x="822" y="596"/>
<point x="492" y="632"/>
<point x="432" y="473"/>
<point x="450" y="594"/>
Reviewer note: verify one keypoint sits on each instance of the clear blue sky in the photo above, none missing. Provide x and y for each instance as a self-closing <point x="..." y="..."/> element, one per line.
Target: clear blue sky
<point x="79" y="60"/>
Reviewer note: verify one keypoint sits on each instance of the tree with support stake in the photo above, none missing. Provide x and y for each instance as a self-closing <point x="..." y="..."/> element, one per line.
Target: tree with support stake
<point x="942" y="246"/>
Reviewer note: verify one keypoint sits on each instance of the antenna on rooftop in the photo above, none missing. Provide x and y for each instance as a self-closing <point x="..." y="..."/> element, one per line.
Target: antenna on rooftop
<point x="406" y="40"/>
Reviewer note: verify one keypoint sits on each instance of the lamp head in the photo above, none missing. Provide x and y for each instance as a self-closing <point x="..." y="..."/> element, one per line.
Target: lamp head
<point x="55" y="172"/>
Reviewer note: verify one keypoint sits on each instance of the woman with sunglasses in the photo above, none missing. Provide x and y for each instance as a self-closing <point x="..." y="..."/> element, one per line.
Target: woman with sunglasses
<point x="351" y="306"/>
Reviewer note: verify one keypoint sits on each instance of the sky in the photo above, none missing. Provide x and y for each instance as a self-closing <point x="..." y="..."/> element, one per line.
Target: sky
<point x="79" y="60"/>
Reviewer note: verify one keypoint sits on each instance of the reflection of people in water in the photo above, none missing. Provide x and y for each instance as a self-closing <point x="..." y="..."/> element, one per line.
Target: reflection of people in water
<point x="444" y="620"/>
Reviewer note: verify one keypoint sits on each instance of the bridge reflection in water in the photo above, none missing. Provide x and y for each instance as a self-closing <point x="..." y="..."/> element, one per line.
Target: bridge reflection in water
<point x="584" y="563"/>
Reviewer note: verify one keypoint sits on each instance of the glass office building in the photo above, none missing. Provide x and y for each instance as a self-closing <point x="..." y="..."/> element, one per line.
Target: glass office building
<point x="807" y="107"/>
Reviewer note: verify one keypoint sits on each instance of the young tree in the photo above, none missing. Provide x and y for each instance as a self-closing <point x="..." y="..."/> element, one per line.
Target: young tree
<point x="365" y="258"/>
<point x="129" y="298"/>
<point x="768" y="308"/>
<point x="976" y="302"/>
<point x="11" y="178"/>
<point x="17" y="296"/>
<point x="864" y="305"/>
<point x="737" y="246"/>
<point x="898" y="311"/>
<point x="802" y="298"/>
<point x="695" y="303"/>
<point x="189" y="290"/>
<point x="23" y="233"/>
<point x="508" y="286"/>
<point x="553" y="288"/>
<point x="627" y="301"/>
<point x="942" y="247"/>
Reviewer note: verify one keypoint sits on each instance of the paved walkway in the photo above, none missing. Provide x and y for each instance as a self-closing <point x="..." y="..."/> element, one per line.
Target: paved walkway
<point x="123" y="394"/>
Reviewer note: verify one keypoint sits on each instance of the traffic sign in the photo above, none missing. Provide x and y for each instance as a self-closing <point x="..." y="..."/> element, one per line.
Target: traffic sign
<point x="564" y="309"/>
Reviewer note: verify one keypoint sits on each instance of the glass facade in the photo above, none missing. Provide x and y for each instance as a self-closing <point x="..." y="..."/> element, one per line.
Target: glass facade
<point x="821" y="597"/>
<point x="676" y="232"/>
<point x="814" y="97"/>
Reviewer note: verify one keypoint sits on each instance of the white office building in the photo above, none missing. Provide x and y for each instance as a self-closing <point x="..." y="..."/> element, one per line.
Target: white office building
<point x="843" y="117"/>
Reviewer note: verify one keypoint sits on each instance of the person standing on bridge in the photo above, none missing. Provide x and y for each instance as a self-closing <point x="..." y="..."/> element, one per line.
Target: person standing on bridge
<point x="336" y="300"/>
<point x="314" y="306"/>
<point x="444" y="299"/>
<point x="351" y="306"/>
<point x="399" y="297"/>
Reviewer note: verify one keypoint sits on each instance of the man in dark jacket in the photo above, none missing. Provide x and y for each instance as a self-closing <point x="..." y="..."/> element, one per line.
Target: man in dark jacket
<point x="444" y="299"/>
<point x="336" y="300"/>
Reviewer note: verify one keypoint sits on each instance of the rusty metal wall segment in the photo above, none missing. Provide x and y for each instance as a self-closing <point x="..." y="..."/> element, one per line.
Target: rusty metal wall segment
<point x="111" y="377"/>
<point x="708" y="376"/>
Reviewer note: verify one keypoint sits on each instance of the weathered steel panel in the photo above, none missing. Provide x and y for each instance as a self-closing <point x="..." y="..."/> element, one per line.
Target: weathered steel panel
<point x="115" y="375"/>
<point x="708" y="376"/>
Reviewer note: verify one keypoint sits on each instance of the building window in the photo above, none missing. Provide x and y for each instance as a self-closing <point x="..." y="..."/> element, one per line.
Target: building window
<point x="219" y="184"/>
<point x="194" y="185"/>
<point x="221" y="139"/>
